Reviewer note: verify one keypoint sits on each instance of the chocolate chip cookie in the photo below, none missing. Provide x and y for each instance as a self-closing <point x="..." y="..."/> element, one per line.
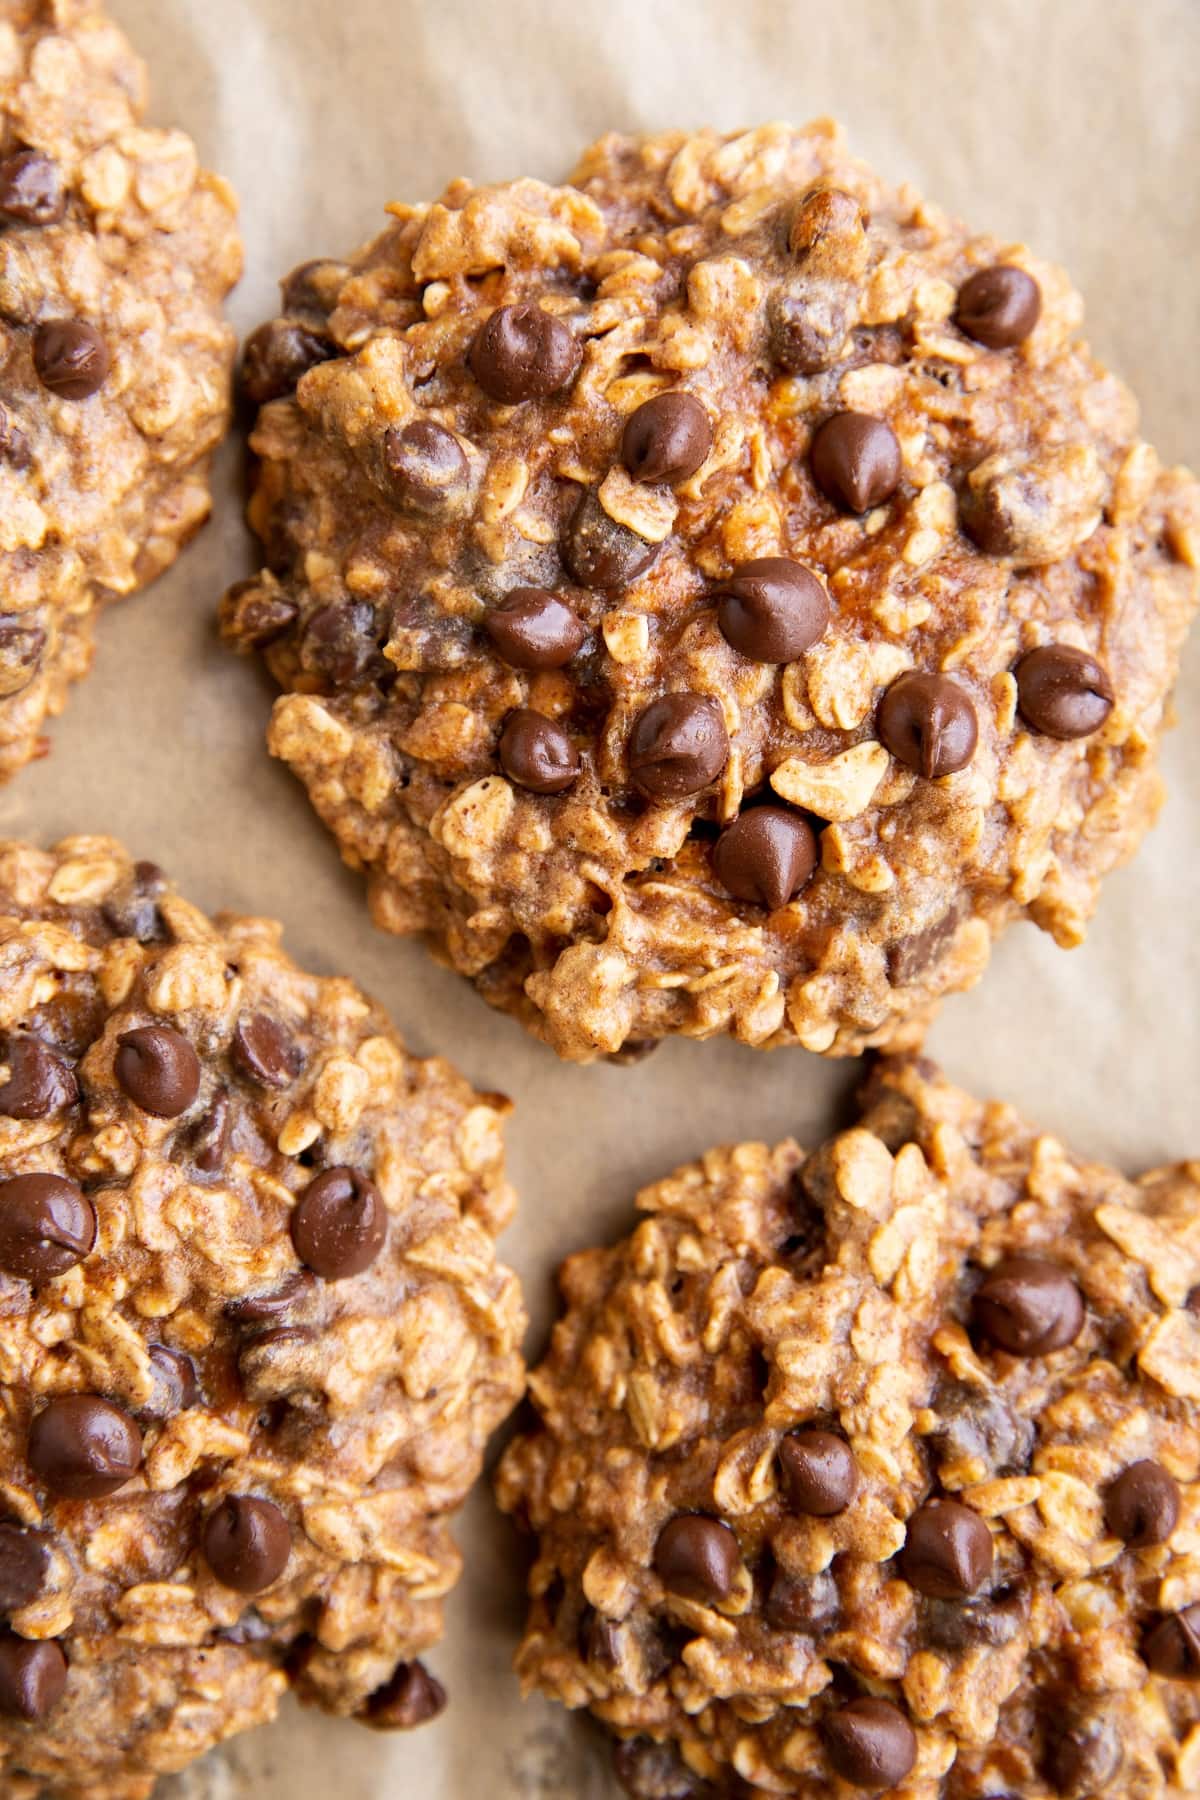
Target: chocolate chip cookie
<point x="116" y="251"/>
<point x="717" y="595"/>
<point x="877" y="1469"/>
<point x="253" y="1334"/>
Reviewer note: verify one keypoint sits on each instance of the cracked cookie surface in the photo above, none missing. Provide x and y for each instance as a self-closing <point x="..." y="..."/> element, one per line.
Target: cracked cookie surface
<point x="877" y="1469"/>
<point x="253" y="1334"/>
<point x="116" y="251"/>
<point x="654" y="568"/>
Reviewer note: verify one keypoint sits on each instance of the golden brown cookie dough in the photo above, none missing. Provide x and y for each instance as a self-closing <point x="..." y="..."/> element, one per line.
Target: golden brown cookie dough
<point x="116" y="251"/>
<point x="718" y="595"/>
<point x="253" y="1335"/>
<point x="877" y="1469"/>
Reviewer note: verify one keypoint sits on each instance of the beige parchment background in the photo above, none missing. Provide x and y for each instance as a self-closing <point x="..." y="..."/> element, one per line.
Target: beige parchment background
<point x="1072" y="123"/>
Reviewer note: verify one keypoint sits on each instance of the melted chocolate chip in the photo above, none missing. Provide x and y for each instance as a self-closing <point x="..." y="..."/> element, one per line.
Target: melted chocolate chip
<point x="810" y="1607"/>
<point x="313" y="287"/>
<point x="412" y="1697"/>
<point x="533" y="629"/>
<point x="21" y="648"/>
<point x="71" y="358"/>
<point x="426" y="464"/>
<point x="267" y="1309"/>
<point x="928" y="723"/>
<point x="870" y="1743"/>
<point x="339" y="1224"/>
<point x="247" y="1543"/>
<point x="158" y="1069"/>
<point x="1142" y="1505"/>
<point x="1172" y="1647"/>
<point x="31" y="190"/>
<point x="911" y="957"/>
<point x="698" y="1558"/>
<point x="537" y="753"/>
<point x="523" y="353"/>
<point x="341" y="643"/>
<point x="772" y="609"/>
<point x="33" y="1678"/>
<point x="982" y="1427"/>
<point x="666" y="438"/>
<point x="856" y="461"/>
<point x="132" y="910"/>
<point x="47" y="1225"/>
<point x="766" y="856"/>
<point x="998" y="307"/>
<point x="39" y="1082"/>
<point x="678" y="746"/>
<point x="263" y="1050"/>
<point x="1084" y="1755"/>
<point x="820" y="1475"/>
<point x="255" y="615"/>
<point x="24" y="1561"/>
<point x="1029" y="1306"/>
<point x="278" y="355"/>
<point x="208" y="1140"/>
<point x="948" y="1551"/>
<point x="597" y="552"/>
<point x="176" y="1386"/>
<point x="1063" y="692"/>
<point x="84" y="1448"/>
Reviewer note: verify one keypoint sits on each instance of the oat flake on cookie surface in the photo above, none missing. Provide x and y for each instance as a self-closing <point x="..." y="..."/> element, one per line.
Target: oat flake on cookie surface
<point x="116" y="251"/>
<point x="876" y="1469"/>
<point x="714" y="596"/>
<point x="253" y="1333"/>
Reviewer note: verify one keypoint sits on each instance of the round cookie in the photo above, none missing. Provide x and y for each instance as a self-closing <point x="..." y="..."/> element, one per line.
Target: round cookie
<point x="597" y="518"/>
<point x="253" y="1335"/>
<point x="116" y="251"/>
<point x="878" y="1470"/>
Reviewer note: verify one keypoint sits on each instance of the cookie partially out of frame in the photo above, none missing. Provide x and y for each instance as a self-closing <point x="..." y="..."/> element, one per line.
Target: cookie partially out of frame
<point x="253" y="1334"/>
<point x="116" y="251"/>
<point x="876" y="1469"/>
<point x="715" y="596"/>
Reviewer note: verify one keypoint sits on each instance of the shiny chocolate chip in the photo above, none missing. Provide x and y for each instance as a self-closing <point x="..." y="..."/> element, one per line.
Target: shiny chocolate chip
<point x="537" y="753"/>
<point x="341" y="642"/>
<point x="772" y="609"/>
<point x="253" y="1310"/>
<point x="523" y="353"/>
<point x="313" y="287"/>
<point x="856" y="461"/>
<point x="1063" y="692"/>
<point x="809" y="1607"/>
<point x="83" y="1448"/>
<point x="208" y="1140"/>
<point x="1142" y="1505"/>
<point x="766" y="856"/>
<point x="1029" y="1306"/>
<point x="264" y="1051"/>
<point x="31" y="189"/>
<point x="426" y="465"/>
<point x="1172" y="1647"/>
<point x="71" y="358"/>
<point x="678" y="746"/>
<point x="820" y="1475"/>
<point x="22" y="645"/>
<point x="666" y="438"/>
<point x="410" y="1698"/>
<point x="132" y="910"/>
<point x="176" y="1387"/>
<point x="698" y="1558"/>
<point x="928" y="723"/>
<point x="948" y="1551"/>
<point x="533" y="629"/>
<point x="47" y="1225"/>
<point x="998" y="307"/>
<point x="598" y="552"/>
<point x="339" y="1224"/>
<point x="870" y="1743"/>
<point x="278" y="355"/>
<point x="247" y="1543"/>
<point x="159" y="1070"/>
<point x="39" y="1081"/>
<point x="33" y="1678"/>
<point x="24" y="1562"/>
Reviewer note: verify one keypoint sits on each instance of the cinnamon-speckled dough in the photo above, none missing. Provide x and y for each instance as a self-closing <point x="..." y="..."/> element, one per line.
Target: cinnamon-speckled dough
<point x="777" y="282"/>
<point x="767" y="1291"/>
<point x="112" y="226"/>
<point x="249" y="1349"/>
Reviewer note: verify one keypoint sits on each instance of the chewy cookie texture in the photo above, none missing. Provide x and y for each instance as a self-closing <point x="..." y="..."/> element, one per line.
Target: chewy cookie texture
<point x="717" y="595"/>
<point x="116" y="251"/>
<point x="253" y="1335"/>
<point x="877" y="1469"/>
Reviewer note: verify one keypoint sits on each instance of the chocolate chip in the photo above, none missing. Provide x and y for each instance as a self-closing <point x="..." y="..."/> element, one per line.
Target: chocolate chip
<point x="806" y="331"/>
<point x="698" y="1558"/>
<point x="1084" y="1755"/>
<point x="599" y="553"/>
<point x="910" y="957"/>
<point x="412" y="1697"/>
<point x="209" y="1138"/>
<point x="31" y="190"/>
<point x="427" y="466"/>
<point x="998" y="307"/>
<point x="928" y="723"/>
<point x="537" y="753"/>
<point x="666" y="438"/>
<point x="24" y="1560"/>
<point x="39" y="1082"/>
<point x="263" y="1050"/>
<point x="47" y="1225"/>
<point x="313" y="287"/>
<point x="870" y="1743"/>
<point x="810" y="1607"/>
<point x="981" y="1427"/>
<point x="132" y="910"/>
<point x="339" y="1224"/>
<point x="71" y="358"/>
<point x="1172" y="1647"/>
<point x="856" y="461"/>
<point x="277" y="355"/>
<point x="176" y="1386"/>
<point x="158" y="1069"/>
<point x="533" y="629"/>
<point x="265" y="1309"/>
<point x="341" y="642"/>
<point x="83" y="1448"/>
<point x="828" y="218"/>
<point x="14" y="445"/>
<point x="523" y="353"/>
<point x="772" y="609"/>
<point x="32" y="1678"/>
<point x="1142" y="1505"/>
<point x="650" y="1771"/>
<point x="948" y="1551"/>
<point x="247" y="1543"/>
<point x="678" y="746"/>
<point x="1063" y="692"/>
<point x="256" y="616"/>
<point x="21" y="648"/>
<point x="766" y="856"/>
<point x="1029" y="1306"/>
<point x="996" y="1619"/>
<point x="820" y="1475"/>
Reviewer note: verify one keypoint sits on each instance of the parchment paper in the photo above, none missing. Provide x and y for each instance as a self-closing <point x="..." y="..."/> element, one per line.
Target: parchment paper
<point x="1072" y="123"/>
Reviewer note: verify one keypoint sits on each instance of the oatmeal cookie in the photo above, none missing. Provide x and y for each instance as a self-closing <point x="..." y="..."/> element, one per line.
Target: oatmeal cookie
<point x="253" y="1335"/>
<point x="116" y="250"/>
<point x="718" y="595"/>
<point x="877" y="1469"/>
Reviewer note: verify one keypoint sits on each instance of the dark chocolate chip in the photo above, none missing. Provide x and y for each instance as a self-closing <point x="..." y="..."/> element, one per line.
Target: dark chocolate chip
<point x="39" y="1082"/>
<point x="265" y="1052"/>
<point x="998" y="307"/>
<point x="339" y="1224"/>
<point x="678" y="746"/>
<point x="537" y="753"/>
<point x="533" y="629"/>
<point x="31" y="189"/>
<point x="426" y="464"/>
<point x="910" y="957"/>
<point x="71" y="358"/>
<point x="1029" y="1306"/>
<point x="928" y="723"/>
<point x="1172" y="1647"/>
<point x="698" y="1558"/>
<point x="208" y="1140"/>
<point x="412" y="1697"/>
<point x="176" y="1386"/>
<point x="32" y="1678"/>
<point x="650" y="1771"/>
<point x="21" y="647"/>
<point x="278" y="355"/>
<point x="996" y="1619"/>
<point x="24" y="1561"/>
<point x="856" y="461"/>
<point x="948" y="1551"/>
<point x="247" y="1543"/>
<point x="810" y="1607"/>
<point x="1063" y="692"/>
<point x="47" y="1225"/>
<point x="341" y="642"/>
<point x="806" y="332"/>
<point x="981" y="1427"/>
<point x="766" y="856"/>
<point x="83" y="1448"/>
<point x="313" y="287"/>
<point x="1142" y="1505"/>
<point x="523" y="353"/>
<point x="666" y="438"/>
<point x="254" y="615"/>
<point x="597" y="552"/>
<point x="772" y="609"/>
<point x="158" y="1069"/>
<point x="870" y="1743"/>
<point x="820" y="1475"/>
<point x="132" y="910"/>
<point x="267" y="1309"/>
<point x="1084" y="1755"/>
